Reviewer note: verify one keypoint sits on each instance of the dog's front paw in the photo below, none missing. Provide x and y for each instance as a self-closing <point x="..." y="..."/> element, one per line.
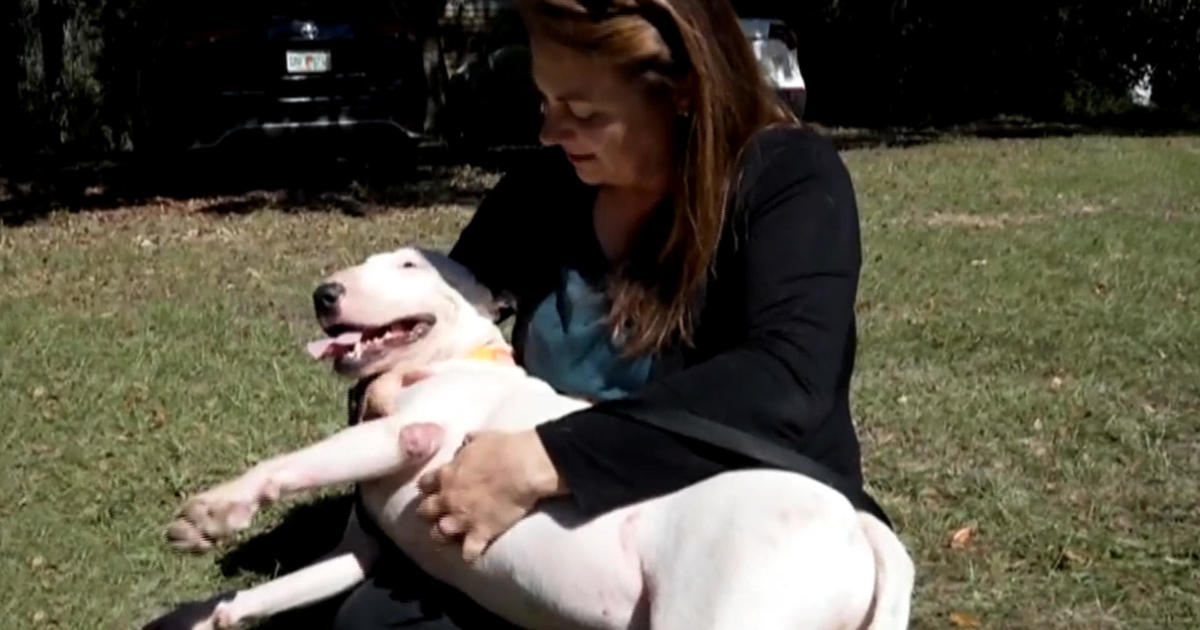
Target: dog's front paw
<point x="217" y="514"/>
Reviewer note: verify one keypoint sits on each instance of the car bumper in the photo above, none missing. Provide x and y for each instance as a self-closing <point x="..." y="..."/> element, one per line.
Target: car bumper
<point x="333" y="127"/>
<point x="235" y="116"/>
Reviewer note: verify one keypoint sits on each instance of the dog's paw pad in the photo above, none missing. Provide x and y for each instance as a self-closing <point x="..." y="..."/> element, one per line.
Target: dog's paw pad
<point x="183" y="536"/>
<point x="421" y="440"/>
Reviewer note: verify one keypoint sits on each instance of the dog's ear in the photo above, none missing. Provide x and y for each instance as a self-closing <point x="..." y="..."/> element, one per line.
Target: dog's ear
<point x="503" y="305"/>
<point x="496" y="308"/>
<point x="486" y="302"/>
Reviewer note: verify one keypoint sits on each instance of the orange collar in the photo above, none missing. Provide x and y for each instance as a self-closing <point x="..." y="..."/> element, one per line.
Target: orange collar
<point x="492" y="352"/>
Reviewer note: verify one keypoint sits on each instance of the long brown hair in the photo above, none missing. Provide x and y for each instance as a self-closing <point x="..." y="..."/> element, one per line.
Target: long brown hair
<point x="670" y="46"/>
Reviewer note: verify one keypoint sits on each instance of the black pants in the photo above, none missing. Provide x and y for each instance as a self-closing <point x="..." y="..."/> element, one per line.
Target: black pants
<point x="399" y="595"/>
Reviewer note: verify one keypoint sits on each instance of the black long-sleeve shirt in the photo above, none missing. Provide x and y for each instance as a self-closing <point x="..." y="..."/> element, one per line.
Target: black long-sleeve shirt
<point x="775" y="340"/>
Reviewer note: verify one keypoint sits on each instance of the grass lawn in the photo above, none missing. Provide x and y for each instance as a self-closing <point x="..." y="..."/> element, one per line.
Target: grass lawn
<point x="1028" y="376"/>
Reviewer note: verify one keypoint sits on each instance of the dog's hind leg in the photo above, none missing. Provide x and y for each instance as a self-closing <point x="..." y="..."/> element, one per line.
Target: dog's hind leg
<point x="783" y="553"/>
<point x="816" y="576"/>
<point x="359" y="453"/>
<point x="342" y="568"/>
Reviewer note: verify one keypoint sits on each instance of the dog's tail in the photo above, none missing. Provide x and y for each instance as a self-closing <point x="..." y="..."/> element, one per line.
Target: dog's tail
<point x="894" y="574"/>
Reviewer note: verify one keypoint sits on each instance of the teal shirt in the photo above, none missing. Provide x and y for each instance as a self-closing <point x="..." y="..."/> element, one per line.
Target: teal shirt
<point x="569" y="344"/>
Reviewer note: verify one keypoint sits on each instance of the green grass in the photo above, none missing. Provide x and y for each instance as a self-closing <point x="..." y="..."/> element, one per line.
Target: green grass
<point x="1029" y="366"/>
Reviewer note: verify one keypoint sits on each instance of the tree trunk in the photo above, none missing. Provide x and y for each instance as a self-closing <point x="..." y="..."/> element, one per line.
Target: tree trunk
<point x="50" y="27"/>
<point x="10" y="77"/>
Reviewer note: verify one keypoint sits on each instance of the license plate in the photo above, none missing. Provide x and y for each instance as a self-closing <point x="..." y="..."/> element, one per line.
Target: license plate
<point x="308" y="61"/>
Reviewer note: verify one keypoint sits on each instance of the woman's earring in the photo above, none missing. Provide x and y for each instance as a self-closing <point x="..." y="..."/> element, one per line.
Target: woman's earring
<point x="683" y="107"/>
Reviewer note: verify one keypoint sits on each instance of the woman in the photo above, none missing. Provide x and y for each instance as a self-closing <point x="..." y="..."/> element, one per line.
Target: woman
<point x="684" y="243"/>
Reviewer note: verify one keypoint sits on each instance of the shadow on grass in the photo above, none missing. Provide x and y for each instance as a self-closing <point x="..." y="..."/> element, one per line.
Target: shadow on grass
<point x="239" y="181"/>
<point x="304" y="177"/>
<point x="1132" y="124"/>
<point x="305" y="534"/>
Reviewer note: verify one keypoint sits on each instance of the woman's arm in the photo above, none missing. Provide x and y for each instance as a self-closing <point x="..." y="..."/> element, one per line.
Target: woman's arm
<point x="504" y="244"/>
<point x="796" y="264"/>
<point x="486" y="244"/>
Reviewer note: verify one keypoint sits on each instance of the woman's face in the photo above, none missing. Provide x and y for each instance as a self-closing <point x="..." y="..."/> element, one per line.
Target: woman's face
<point x="613" y="131"/>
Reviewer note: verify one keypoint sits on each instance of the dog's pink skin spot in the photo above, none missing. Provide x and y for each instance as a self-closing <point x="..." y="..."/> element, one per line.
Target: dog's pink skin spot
<point x="783" y="526"/>
<point x="421" y="440"/>
<point x="793" y="517"/>
<point x="629" y="536"/>
<point x="284" y="481"/>
<point x="408" y="378"/>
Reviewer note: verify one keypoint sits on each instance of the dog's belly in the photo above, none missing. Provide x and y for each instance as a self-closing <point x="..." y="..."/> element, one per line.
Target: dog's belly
<point x="554" y="571"/>
<point x="540" y="574"/>
<point x="548" y="571"/>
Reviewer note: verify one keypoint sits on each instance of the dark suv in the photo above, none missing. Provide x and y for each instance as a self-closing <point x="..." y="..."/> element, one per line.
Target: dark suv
<point x="316" y="69"/>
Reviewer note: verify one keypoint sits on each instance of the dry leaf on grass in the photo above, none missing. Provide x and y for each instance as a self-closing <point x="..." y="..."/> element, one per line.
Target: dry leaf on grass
<point x="158" y="418"/>
<point x="1069" y="558"/>
<point x="964" y="620"/>
<point x="962" y="537"/>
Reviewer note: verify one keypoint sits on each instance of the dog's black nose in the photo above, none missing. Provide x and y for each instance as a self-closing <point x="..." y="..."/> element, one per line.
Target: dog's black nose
<point x="325" y="298"/>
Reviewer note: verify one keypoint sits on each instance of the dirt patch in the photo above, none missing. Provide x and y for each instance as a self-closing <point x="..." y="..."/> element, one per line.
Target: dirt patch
<point x="1003" y="219"/>
<point x="959" y="219"/>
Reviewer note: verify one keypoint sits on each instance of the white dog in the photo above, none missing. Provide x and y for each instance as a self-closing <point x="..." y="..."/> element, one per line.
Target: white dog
<point x="753" y="549"/>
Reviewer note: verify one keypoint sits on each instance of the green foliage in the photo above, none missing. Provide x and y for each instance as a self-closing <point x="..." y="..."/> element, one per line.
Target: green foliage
<point x="88" y="71"/>
<point x="84" y="77"/>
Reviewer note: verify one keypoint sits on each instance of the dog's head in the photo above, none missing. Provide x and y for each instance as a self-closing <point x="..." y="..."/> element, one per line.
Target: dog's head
<point x="401" y="310"/>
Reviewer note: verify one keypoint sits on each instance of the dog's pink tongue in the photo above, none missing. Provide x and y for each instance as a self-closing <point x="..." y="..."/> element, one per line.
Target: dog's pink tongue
<point x="331" y="346"/>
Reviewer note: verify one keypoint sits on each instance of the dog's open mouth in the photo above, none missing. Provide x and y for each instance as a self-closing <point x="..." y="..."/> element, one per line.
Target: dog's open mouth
<point x="351" y="342"/>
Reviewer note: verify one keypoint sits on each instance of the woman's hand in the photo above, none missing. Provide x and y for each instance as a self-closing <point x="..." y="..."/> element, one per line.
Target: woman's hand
<point x="493" y="481"/>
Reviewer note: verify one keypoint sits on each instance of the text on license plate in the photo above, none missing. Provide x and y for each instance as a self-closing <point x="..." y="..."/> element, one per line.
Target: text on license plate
<point x="308" y="61"/>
